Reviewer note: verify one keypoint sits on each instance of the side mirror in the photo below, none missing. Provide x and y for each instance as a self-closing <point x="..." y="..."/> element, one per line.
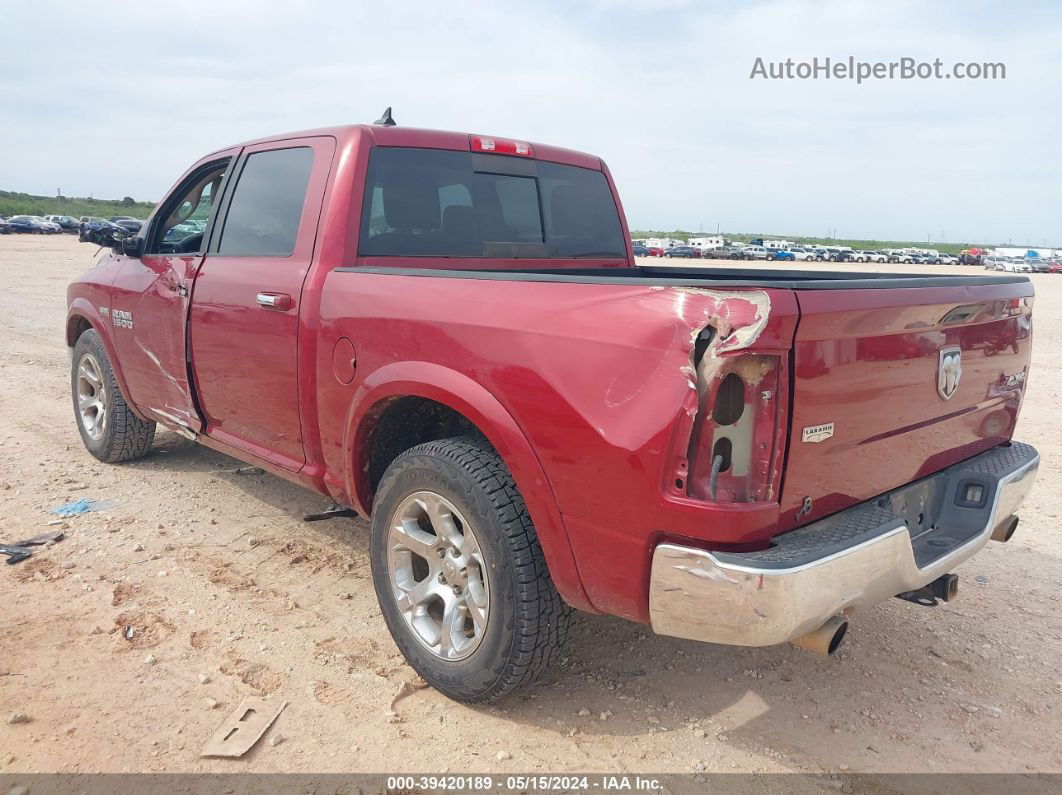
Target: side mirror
<point x="132" y="246"/>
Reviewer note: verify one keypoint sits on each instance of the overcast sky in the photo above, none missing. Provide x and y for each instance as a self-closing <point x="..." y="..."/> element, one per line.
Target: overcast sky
<point x="118" y="101"/>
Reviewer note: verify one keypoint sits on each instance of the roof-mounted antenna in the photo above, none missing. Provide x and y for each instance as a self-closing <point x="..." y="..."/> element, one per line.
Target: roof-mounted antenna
<point x="386" y="119"/>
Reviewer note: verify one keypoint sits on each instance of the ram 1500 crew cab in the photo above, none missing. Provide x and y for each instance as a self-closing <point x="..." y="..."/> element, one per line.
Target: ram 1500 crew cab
<point x="448" y="333"/>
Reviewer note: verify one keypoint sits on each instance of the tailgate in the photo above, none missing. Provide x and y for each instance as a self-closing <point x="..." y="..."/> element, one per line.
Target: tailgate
<point x="890" y="385"/>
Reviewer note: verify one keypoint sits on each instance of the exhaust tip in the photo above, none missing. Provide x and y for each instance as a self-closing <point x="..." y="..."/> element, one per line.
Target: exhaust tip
<point x="826" y="639"/>
<point x="1005" y="530"/>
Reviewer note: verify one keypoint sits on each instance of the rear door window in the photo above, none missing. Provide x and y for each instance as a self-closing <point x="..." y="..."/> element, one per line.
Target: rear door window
<point x="424" y="202"/>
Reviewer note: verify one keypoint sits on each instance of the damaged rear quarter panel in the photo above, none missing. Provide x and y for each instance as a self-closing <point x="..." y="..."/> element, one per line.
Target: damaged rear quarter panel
<point x="599" y="378"/>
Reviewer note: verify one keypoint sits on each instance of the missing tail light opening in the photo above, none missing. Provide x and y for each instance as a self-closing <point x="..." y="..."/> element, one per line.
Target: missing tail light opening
<point x="737" y="418"/>
<point x="729" y="400"/>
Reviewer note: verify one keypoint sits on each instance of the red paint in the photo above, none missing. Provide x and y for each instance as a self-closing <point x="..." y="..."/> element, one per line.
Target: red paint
<point x="867" y="361"/>
<point x="583" y="389"/>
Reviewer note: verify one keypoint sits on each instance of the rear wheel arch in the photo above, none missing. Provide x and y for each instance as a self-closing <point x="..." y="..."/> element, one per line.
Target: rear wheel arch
<point x="429" y="402"/>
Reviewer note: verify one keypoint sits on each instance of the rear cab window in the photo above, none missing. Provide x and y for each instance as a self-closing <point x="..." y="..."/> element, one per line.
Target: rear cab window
<point x="440" y="203"/>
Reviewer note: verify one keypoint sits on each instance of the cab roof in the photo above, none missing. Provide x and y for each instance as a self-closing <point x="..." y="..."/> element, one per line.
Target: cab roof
<point x="378" y="135"/>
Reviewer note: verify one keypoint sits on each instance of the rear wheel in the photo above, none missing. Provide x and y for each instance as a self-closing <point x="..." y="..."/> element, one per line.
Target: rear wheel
<point x="459" y="572"/>
<point x="108" y="427"/>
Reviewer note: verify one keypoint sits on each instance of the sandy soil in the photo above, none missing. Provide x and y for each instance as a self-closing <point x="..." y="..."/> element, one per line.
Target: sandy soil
<point x="222" y="580"/>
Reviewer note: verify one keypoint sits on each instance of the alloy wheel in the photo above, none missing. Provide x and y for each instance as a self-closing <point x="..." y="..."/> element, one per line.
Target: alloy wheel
<point x="92" y="397"/>
<point x="438" y="577"/>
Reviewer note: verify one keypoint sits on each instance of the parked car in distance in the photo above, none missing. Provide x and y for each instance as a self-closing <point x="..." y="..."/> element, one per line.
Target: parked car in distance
<point x="100" y="231"/>
<point x="754" y="252"/>
<point x="781" y="255"/>
<point x="5" y="227"/>
<point x="839" y="254"/>
<point x="715" y="454"/>
<point x="871" y="256"/>
<point x="65" y="222"/>
<point x="900" y="256"/>
<point x="802" y="254"/>
<point x="639" y="250"/>
<point x="1055" y="267"/>
<point x="948" y="259"/>
<point x="683" y="252"/>
<point x="131" y="225"/>
<point x="654" y="251"/>
<point x="723" y="252"/>
<point x="31" y="224"/>
<point x="1008" y="264"/>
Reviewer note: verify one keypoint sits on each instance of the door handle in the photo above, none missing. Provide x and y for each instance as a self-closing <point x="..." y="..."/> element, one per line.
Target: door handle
<point x="280" y="301"/>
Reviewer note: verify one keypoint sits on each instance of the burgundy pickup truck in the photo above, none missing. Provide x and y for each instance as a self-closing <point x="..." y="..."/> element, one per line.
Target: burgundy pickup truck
<point x="449" y="333"/>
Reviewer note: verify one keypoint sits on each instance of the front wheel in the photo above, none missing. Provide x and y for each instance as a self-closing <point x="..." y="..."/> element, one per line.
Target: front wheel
<point x="108" y="427"/>
<point x="459" y="572"/>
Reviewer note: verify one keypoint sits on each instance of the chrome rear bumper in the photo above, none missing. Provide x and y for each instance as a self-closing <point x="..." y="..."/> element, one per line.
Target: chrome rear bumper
<point x="859" y="557"/>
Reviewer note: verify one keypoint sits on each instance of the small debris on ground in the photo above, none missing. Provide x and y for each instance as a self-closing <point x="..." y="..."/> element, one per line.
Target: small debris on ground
<point x="243" y="727"/>
<point x="78" y="507"/>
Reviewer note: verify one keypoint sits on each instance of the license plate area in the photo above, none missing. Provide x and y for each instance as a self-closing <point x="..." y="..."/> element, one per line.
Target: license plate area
<point x="942" y="512"/>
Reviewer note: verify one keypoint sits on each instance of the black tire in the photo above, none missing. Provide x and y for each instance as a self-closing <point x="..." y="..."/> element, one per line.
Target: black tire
<point x="124" y="435"/>
<point x="527" y="621"/>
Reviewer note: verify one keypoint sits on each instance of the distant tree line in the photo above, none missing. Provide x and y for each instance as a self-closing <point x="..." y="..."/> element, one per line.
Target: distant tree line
<point x="13" y="203"/>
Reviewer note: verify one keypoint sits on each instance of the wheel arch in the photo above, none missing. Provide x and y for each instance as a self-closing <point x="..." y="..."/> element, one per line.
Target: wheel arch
<point x="422" y="383"/>
<point x="81" y="316"/>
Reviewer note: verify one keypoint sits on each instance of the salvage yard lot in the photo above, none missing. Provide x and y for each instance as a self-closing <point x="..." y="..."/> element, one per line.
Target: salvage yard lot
<point x="223" y="582"/>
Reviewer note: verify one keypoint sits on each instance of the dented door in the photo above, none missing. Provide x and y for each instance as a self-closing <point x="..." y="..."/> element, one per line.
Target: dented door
<point x="149" y="314"/>
<point x="150" y="304"/>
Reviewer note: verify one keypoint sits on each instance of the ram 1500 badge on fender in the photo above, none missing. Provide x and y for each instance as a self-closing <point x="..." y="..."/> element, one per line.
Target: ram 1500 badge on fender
<point x="449" y="334"/>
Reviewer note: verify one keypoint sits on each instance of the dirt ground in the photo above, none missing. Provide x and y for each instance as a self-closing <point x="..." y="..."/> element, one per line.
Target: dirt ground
<point x="229" y="593"/>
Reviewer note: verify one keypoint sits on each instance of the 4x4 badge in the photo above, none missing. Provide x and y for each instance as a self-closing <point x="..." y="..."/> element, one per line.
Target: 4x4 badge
<point x="949" y="371"/>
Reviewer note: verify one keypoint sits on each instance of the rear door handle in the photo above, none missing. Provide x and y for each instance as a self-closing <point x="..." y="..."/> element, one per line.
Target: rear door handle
<point x="280" y="301"/>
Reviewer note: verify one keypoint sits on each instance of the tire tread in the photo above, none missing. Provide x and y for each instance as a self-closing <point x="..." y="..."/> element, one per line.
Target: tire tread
<point x="543" y="619"/>
<point x="128" y="437"/>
